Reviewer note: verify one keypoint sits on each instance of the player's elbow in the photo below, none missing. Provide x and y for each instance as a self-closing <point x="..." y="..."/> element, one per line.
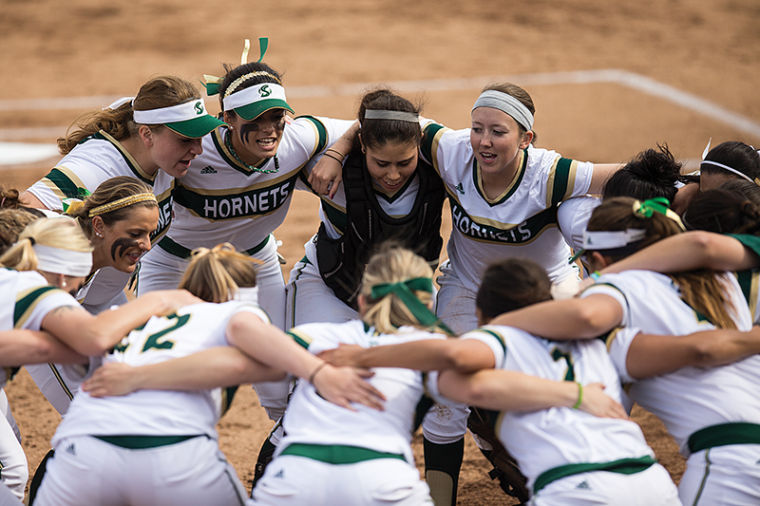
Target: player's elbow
<point x="592" y="320"/>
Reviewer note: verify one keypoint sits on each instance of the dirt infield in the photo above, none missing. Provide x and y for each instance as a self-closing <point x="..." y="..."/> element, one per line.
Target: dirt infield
<point x="707" y="49"/>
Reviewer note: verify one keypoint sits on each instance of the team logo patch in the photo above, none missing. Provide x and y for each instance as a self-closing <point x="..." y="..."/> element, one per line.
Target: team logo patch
<point x="265" y="91"/>
<point x="208" y="170"/>
<point x="199" y="107"/>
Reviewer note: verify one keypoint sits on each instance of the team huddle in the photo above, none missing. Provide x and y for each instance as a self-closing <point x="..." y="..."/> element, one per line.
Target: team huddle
<point x="143" y="285"/>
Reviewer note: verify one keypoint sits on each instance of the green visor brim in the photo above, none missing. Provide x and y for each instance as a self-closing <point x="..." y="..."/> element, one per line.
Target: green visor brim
<point x="196" y="127"/>
<point x="252" y="111"/>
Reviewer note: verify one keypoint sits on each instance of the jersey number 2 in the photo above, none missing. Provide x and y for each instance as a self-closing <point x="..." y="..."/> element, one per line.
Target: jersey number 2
<point x="155" y="341"/>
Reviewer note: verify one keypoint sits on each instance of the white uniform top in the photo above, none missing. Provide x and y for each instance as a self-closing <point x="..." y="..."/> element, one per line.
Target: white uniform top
<point x="691" y="398"/>
<point x="28" y="298"/>
<point x="158" y="412"/>
<point x="92" y="161"/>
<point x="549" y="438"/>
<point x="572" y="217"/>
<point x="311" y="419"/>
<point x="222" y="200"/>
<point x="519" y="223"/>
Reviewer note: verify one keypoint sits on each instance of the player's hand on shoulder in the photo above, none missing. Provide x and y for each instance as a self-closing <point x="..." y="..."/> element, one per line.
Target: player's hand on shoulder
<point x="344" y="385"/>
<point x="326" y="176"/>
<point x="112" y="379"/>
<point x="343" y="355"/>
<point x="597" y="403"/>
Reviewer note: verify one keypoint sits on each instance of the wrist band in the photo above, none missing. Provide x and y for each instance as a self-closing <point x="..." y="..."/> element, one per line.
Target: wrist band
<point x="314" y="374"/>
<point x="328" y="155"/>
<point x="342" y="156"/>
<point x="595" y="275"/>
<point x="580" y="396"/>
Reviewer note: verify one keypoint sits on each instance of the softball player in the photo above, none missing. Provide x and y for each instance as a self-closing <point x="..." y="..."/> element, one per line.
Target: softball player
<point x="160" y="128"/>
<point x="240" y="187"/>
<point x="333" y="456"/>
<point x="392" y="195"/>
<point x="711" y="413"/>
<point x="729" y="161"/>
<point x="118" y="219"/>
<point x="159" y="437"/>
<point x="60" y="253"/>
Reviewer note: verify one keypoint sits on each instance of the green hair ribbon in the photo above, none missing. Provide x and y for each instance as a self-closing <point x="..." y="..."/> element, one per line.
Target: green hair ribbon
<point x="212" y="83"/>
<point x="404" y="291"/>
<point x="647" y="208"/>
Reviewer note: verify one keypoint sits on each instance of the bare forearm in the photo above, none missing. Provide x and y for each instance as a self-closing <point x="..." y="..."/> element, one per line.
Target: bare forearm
<point x="689" y="251"/>
<point x="564" y="319"/>
<point x="20" y="346"/>
<point x="507" y="390"/>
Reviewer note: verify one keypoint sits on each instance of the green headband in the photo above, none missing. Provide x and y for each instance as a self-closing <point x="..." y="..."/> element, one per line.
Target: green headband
<point x="404" y="291"/>
<point x="661" y="205"/>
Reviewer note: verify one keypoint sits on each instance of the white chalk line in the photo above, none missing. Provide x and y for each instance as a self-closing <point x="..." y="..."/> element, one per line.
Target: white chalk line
<point x="631" y="80"/>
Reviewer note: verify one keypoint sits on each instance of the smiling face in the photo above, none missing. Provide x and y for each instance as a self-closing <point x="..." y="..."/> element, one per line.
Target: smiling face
<point x="122" y="243"/>
<point x="391" y="164"/>
<point x="496" y="140"/>
<point x="259" y="138"/>
<point x="171" y="151"/>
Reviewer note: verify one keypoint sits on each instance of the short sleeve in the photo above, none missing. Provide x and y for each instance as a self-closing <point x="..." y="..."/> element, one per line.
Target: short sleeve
<point x="618" y="343"/>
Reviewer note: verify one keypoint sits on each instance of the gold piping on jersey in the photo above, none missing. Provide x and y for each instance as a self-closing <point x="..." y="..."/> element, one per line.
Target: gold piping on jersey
<point x="132" y="162"/>
<point x="521" y="166"/>
<point x="59" y="378"/>
<point x="26" y="307"/>
<point x="69" y="174"/>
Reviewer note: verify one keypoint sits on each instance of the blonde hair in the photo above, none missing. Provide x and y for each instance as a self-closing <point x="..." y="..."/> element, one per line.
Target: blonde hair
<point x="393" y="264"/>
<point x="215" y="274"/>
<point x="162" y="91"/>
<point x="62" y="233"/>
<point x="111" y="190"/>
<point x="702" y="290"/>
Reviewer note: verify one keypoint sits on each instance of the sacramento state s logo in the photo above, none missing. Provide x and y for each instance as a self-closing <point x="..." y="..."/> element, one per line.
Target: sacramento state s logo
<point x="265" y="91"/>
<point x="198" y="107"/>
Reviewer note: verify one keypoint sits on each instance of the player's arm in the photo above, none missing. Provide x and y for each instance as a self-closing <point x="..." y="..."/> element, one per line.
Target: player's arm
<point x="652" y="355"/>
<point x="514" y="391"/>
<point x="689" y="251"/>
<point x="464" y="355"/>
<point x="29" y="199"/>
<point x="215" y="367"/>
<point x="94" y="335"/>
<point x="566" y="319"/>
<point x="328" y="171"/>
<point x="601" y="173"/>
<point x="22" y="346"/>
<point x="269" y="345"/>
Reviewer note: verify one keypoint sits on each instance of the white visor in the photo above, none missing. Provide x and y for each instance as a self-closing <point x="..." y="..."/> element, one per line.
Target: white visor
<point x="181" y="112"/>
<point x="593" y="240"/>
<point x="253" y="94"/>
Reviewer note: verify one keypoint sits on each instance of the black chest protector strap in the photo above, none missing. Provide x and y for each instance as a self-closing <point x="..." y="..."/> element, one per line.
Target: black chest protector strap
<point x="342" y="261"/>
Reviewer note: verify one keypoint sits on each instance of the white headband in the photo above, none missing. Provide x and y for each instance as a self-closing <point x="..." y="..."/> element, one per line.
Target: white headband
<point x="118" y="103"/>
<point x="174" y="114"/>
<point x="253" y="94"/>
<point x="594" y="240"/>
<point x="63" y="261"/>
<point x="409" y="117"/>
<point x="726" y="167"/>
<point x="508" y="104"/>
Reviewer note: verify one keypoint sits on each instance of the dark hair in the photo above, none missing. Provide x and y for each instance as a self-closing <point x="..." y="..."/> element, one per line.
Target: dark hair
<point x="377" y="132"/>
<point x="263" y="73"/>
<point x="651" y="173"/>
<point x="511" y="284"/>
<point x="724" y="210"/>
<point x="735" y="154"/>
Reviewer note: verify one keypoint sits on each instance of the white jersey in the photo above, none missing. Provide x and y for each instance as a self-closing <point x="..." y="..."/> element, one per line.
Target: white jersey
<point x="28" y="298"/>
<point x="101" y="290"/>
<point x="311" y="419"/>
<point x="521" y="222"/>
<point x="572" y="217"/>
<point x="549" y="438"/>
<point x="691" y="398"/>
<point x="222" y="200"/>
<point x="158" y="412"/>
<point x="94" y="160"/>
